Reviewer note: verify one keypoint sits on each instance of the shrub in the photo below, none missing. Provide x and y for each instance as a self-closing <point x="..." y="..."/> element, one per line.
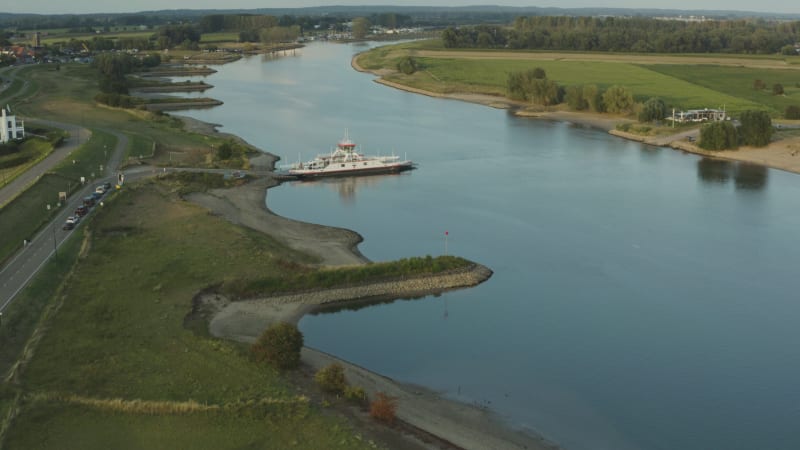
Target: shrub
<point x="792" y="112"/>
<point x="355" y="394"/>
<point x="407" y="65"/>
<point x="331" y="378"/>
<point x="777" y="89"/>
<point x="279" y="346"/>
<point x="383" y="408"/>
<point x="759" y="85"/>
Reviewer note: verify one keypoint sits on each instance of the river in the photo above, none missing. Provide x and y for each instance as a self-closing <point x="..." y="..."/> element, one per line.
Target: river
<point x="642" y="298"/>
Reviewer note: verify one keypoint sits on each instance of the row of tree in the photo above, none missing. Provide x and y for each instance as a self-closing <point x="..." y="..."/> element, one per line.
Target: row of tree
<point x="533" y="85"/>
<point x="113" y="69"/>
<point x="630" y="35"/>
<point x="755" y="129"/>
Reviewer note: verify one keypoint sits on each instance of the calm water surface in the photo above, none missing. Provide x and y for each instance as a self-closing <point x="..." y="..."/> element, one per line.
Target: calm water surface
<point x="642" y="298"/>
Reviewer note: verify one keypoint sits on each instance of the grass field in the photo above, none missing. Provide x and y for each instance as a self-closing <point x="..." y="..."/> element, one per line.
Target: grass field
<point x="213" y="38"/>
<point x="683" y="81"/>
<point x="120" y="334"/>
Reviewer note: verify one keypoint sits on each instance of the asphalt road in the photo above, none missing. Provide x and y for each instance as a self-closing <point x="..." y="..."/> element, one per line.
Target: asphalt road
<point x="22" y="267"/>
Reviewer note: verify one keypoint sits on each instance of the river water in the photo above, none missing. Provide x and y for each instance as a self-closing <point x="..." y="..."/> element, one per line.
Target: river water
<point x="642" y="298"/>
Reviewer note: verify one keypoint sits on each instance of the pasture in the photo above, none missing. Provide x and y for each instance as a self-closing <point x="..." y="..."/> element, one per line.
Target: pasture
<point x="682" y="81"/>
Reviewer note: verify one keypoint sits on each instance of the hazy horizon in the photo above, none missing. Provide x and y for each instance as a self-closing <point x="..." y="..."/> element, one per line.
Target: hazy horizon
<point x="98" y="6"/>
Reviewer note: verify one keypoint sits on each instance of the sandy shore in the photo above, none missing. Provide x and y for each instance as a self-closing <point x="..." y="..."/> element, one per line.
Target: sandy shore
<point x="783" y="154"/>
<point x="458" y="424"/>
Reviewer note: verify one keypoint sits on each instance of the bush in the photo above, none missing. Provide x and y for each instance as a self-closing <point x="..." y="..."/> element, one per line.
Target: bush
<point x="355" y="394"/>
<point x="759" y="85"/>
<point x="407" y="65"/>
<point x="383" y="408"/>
<point x="331" y="378"/>
<point x="279" y="346"/>
<point x="792" y="112"/>
<point x="777" y="89"/>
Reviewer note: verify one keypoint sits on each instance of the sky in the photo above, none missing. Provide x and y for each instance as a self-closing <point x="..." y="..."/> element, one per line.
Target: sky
<point x="105" y="6"/>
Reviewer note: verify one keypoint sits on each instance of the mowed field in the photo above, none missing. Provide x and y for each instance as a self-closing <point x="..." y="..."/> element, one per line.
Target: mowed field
<point x="684" y="82"/>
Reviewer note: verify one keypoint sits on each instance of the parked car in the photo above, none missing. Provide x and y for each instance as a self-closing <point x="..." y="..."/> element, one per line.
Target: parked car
<point x="107" y="186"/>
<point x="81" y="211"/>
<point x="68" y="226"/>
<point x="100" y="190"/>
<point x="73" y="219"/>
<point x="88" y="201"/>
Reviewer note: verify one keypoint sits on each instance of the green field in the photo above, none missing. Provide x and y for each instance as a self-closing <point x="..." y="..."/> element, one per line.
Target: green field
<point x="683" y="86"/>
<point x="29" y="154"/>
<point x="119" y="333"/>
<point x="214" y="38"/>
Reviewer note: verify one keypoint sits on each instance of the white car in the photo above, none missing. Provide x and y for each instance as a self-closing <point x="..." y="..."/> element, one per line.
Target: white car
<point x="73" y="219"/>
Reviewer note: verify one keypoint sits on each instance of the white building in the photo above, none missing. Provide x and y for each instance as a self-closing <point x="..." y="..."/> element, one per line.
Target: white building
<point x="10" y="128"/>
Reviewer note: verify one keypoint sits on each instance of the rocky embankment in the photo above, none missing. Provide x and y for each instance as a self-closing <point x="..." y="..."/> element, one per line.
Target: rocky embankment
<point x="245" y="320"/>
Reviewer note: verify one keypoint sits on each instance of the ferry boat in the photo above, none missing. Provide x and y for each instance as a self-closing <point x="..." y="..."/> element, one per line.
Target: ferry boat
<point x="346" y="161"/>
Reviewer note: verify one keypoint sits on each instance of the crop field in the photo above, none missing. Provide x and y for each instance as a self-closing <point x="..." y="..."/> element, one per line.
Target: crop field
<point x="59" y="36"/>
<point x="120" y="334"/>
<point x="213" y="38"/>
<point x="683" y="81"/>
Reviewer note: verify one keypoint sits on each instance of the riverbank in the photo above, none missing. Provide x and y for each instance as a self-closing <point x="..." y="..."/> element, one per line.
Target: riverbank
<point x="782" y="154"/>
<point x="460" y="425"/>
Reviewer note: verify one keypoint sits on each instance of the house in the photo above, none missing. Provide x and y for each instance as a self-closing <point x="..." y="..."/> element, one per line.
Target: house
<point x="698" y="115"/>
<point x="10" y="128"/>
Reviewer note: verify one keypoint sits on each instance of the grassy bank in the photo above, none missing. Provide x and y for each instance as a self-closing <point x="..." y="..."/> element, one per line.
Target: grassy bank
<point x="120" y="334"/>
<point x="692" y="81"/>
<point x="302" y="278"/>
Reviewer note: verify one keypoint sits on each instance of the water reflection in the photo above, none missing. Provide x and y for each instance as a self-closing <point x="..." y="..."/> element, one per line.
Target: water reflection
<point x="745" y="176"/>
<point x="348" y="186"/>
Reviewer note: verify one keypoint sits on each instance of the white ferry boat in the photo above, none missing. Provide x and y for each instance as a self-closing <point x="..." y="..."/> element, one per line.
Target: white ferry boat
<point x="346" y="161"/>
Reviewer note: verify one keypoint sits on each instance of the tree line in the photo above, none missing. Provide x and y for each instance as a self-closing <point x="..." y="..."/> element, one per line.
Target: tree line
<point x="630" y="35"/>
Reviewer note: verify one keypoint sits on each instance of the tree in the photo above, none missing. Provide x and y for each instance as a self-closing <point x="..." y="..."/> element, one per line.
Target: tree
<point x="759" y="84"/>
<point x="718" y="136"/>
<point x="653" y="109"/>
<point x="593" y="97"/>
<point x="575" y="99"/>
<point x="331" y="378"/>
<point x="618" y="100"/>
<point x="788" y="50"/>
<point x="777" y="89"/>
<point x="756" y="128"/>
<point x="533" y="85"/>
<point x="360" y="27"/>
<point x="279" y="345"/>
